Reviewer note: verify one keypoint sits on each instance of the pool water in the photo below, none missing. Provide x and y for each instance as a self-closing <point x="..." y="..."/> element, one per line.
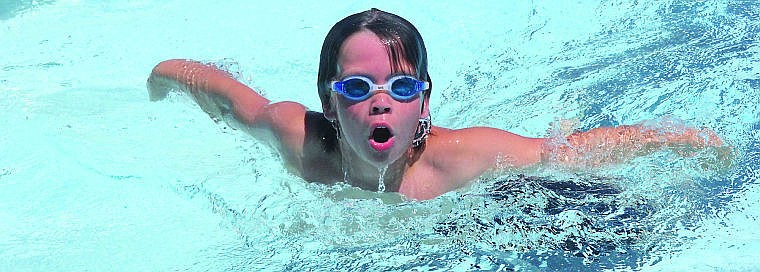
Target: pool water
<point x="93" y="176"/>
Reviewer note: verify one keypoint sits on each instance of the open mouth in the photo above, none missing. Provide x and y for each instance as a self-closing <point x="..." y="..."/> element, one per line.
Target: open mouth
<point x="381" y="134"/>
<point x="381" y="138"/>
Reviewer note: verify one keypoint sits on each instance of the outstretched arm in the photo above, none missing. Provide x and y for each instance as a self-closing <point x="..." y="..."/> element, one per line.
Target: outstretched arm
<point x="465" y="154"/>
<point x="215" y="90"/>
<point x="221" y="96"/>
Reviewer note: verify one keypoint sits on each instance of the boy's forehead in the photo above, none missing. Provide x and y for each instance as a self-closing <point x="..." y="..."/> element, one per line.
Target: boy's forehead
<point x="361" y="46"/>
<point x="364" y="52"/>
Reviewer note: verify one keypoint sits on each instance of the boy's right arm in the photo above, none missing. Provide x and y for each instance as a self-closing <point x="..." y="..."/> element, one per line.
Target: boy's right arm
<point x="222" y="96"/>
<point x="215" y="90"/>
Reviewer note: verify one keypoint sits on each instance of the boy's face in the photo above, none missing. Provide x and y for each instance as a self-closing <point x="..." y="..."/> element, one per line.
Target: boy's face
<point x="379" y="129"/>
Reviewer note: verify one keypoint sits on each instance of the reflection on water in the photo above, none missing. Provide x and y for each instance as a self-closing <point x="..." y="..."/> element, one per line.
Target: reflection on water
<point x="12" y="8"/>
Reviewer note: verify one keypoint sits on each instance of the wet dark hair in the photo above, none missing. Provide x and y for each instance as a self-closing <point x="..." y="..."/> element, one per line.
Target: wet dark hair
<point x="402" y="40"/>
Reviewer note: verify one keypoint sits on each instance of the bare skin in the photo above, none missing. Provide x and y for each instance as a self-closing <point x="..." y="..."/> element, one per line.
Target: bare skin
<point x="449" y="159"/>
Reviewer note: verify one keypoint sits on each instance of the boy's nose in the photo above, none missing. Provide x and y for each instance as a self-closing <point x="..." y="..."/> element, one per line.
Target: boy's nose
<point x="380" y="104"/>
<point x="380" y="109"/>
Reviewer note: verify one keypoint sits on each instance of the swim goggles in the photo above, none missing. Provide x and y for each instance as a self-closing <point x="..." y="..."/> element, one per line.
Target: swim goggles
<point x="358" y="88"/>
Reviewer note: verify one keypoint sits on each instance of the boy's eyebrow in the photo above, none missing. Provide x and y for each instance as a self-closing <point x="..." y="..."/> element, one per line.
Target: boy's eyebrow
<point x="363" y="75"/>
<point x="400" y="74"/>
<point x="375" y="79"/>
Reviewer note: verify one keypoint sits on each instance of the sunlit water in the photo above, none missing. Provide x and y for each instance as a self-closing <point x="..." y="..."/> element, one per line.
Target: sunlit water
<point x="95" y="177"/>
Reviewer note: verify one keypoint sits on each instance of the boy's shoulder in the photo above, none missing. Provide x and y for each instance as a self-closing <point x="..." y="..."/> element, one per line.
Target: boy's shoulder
<point x="471" y="151"/>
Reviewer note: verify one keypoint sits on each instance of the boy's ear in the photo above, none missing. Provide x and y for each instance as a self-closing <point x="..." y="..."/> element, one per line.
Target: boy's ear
<point x="425" y="108"/>
<point x="329" y="108"/>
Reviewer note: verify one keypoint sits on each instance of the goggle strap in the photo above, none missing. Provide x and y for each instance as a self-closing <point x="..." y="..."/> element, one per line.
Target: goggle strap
<point x="422" y="85"/>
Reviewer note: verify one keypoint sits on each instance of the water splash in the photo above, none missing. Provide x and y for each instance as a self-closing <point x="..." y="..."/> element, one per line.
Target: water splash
<point x="381" y="179"/>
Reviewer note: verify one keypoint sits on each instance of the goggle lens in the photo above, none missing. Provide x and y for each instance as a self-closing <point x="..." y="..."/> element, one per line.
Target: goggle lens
<point x="404" y="87"/>
<point x="355" y="88"/>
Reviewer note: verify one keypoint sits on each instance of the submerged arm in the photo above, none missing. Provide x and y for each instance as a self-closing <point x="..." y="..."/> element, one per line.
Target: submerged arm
<point x="608" y="145"/>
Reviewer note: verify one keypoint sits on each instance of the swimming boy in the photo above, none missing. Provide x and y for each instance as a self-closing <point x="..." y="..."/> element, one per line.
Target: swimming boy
<point x="375" y="130"/>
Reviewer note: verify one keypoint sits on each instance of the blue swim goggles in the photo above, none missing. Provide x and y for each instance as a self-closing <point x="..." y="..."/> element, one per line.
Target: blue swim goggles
<point x="358" y="88"/>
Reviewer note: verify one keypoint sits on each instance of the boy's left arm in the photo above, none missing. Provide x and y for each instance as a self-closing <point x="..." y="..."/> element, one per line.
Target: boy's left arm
<point x="465" y="154"/>
<point x="607" y="145"/>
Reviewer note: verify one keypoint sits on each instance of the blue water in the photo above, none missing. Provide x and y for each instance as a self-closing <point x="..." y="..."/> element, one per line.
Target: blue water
<point x="93" y="176"/>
